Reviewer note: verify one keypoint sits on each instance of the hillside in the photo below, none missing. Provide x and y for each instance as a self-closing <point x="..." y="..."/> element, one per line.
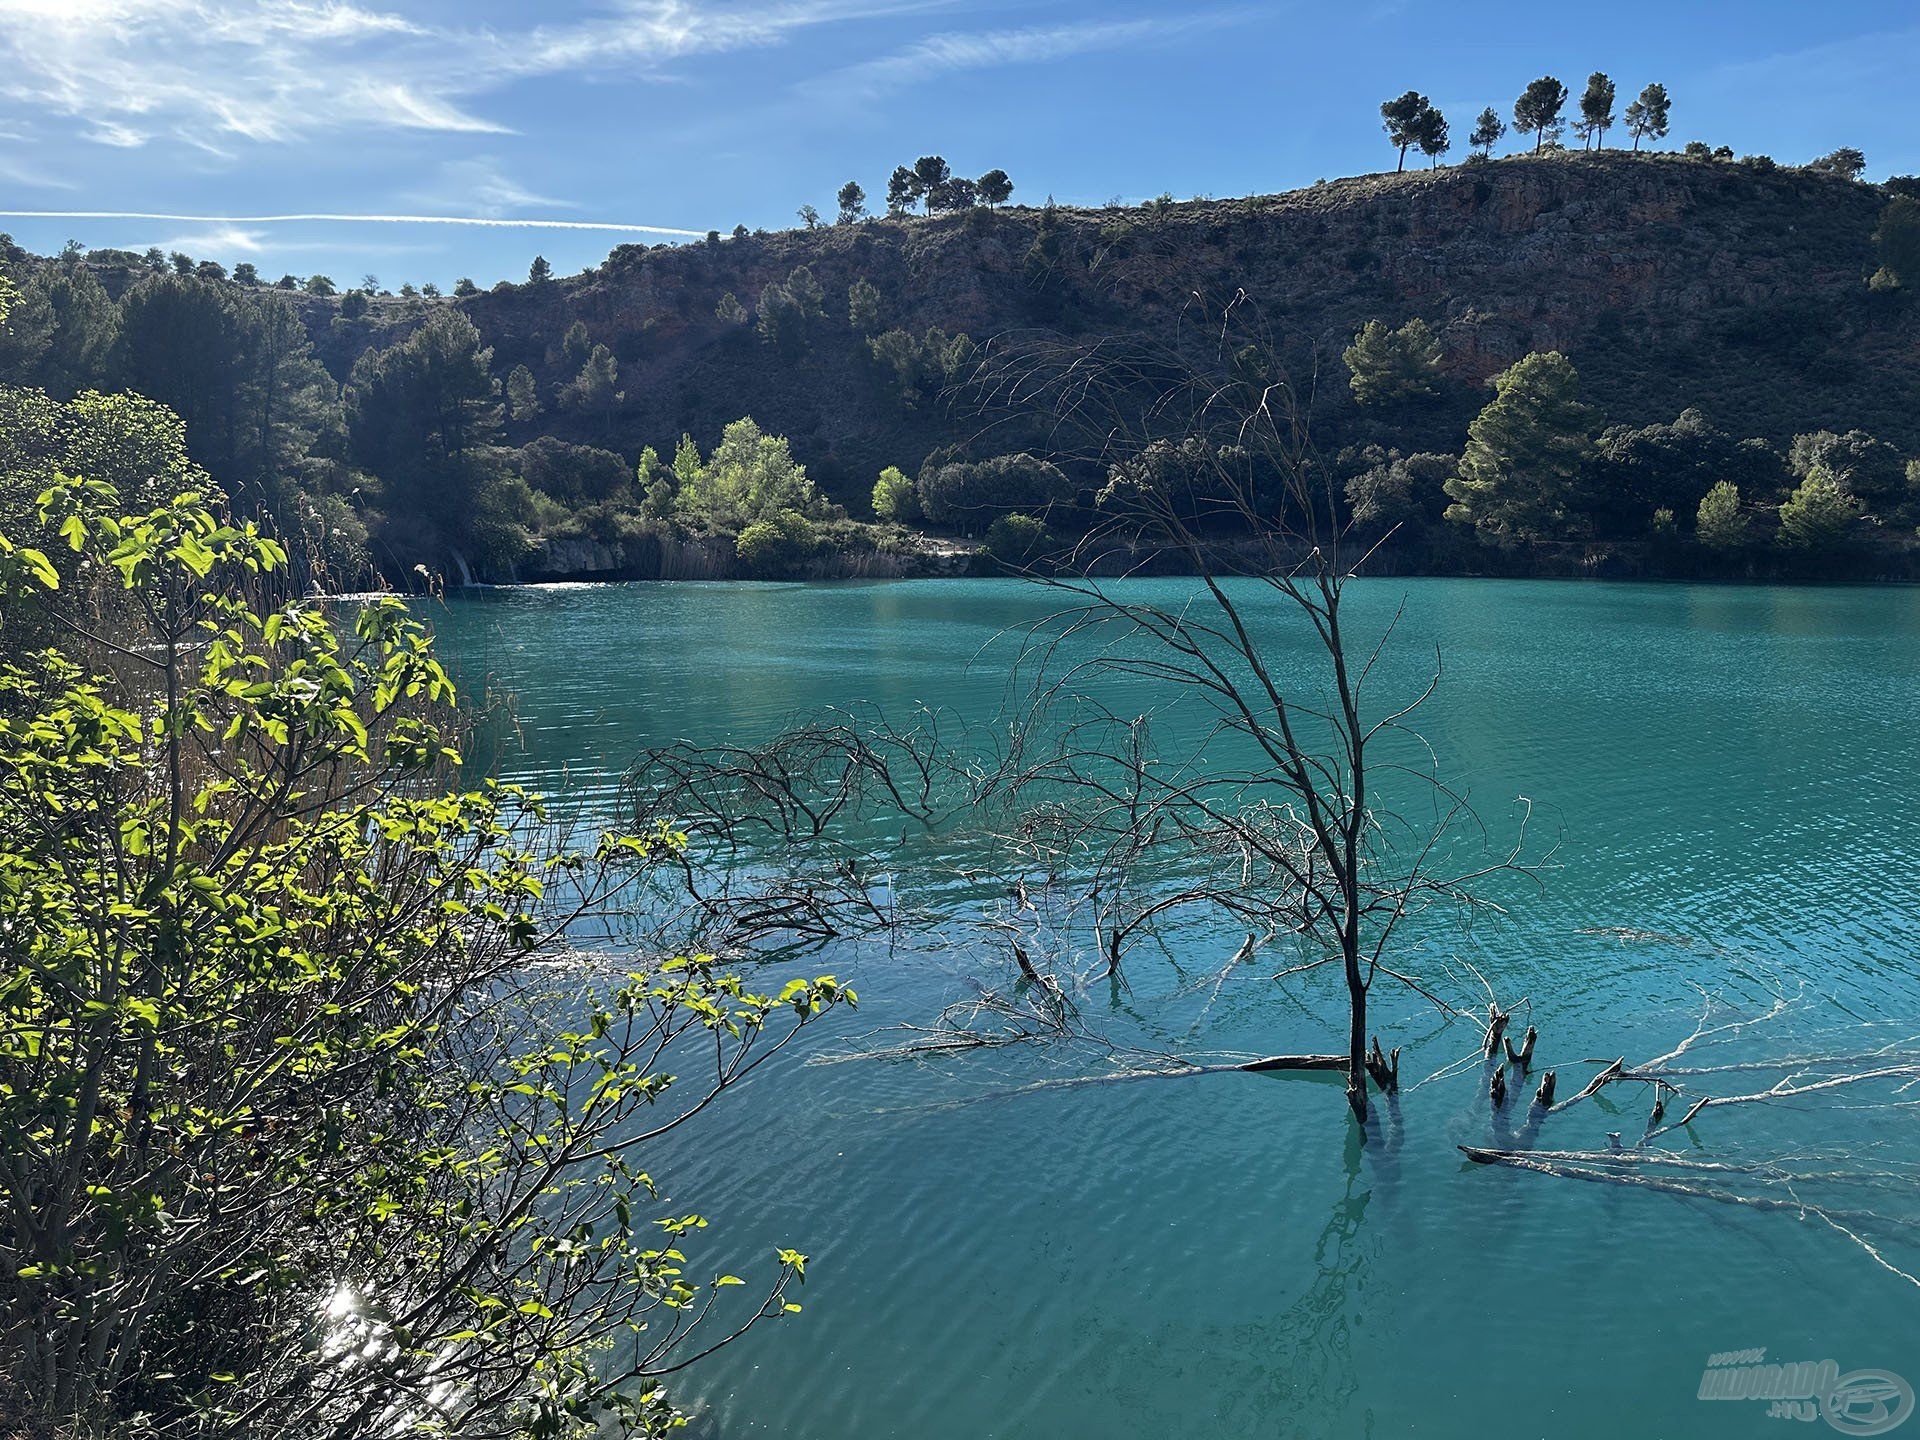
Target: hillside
<point x="1668" y="281"/>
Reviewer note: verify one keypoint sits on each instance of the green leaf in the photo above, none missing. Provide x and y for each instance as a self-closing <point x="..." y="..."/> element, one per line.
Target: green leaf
<point x="41" y="567"/>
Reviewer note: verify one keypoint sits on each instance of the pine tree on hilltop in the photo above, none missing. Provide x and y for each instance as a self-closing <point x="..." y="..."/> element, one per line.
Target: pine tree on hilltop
<point x="1596" y="110"/>
<point x="1537" y="111"/>
<point x="1487" y="131"/>
<point x="1403" y="120"/>
<point x="1647" y="117"/>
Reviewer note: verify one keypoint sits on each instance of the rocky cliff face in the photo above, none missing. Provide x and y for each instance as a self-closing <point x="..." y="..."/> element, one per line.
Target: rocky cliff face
<point x="1669" y="282"/>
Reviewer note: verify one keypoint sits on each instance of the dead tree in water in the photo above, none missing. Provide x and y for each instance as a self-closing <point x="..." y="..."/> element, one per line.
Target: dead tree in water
<point x="1211" y="474"/>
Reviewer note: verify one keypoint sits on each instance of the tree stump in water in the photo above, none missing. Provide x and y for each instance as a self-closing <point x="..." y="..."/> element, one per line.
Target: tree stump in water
<point x="1385" y="1069"/>
<point x="1544" y="1096"/>
<point x="1523" y="1057"/>
<point x="1497" y="1090"/>
<point x="1496" y="1028"/>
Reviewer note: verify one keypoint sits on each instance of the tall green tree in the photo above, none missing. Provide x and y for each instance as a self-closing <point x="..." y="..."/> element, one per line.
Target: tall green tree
<point x="1867" y="468"/>
<point x="1596" y="110"/>
<point x="1519" y="480"/>
<point x="864" y="306"/>
<point x="1537" y="111"/>
<point x="1648" y="117"/>
<point x="1435" y="136"/>
<point x="1720" y="523"/>
<point x="788" y="309"/>
<point x="1896" y="240"/>
<point x="1487" y="131"/>
<point x="183" y="343"/>
<point x="596" y="389"/>
<point x="894" y="496"/>
<point x="424" y="415"/>
<point x="931" y="174"/>
<point x="539" y="272"/>
<point x="523" y="395"/>
<point x="751" y="476"/>
<point x="1405" y="119"/>
<point x="1817" y="517"/>
<point x="853" y="203"/>
<point x="1848" y="162"/>
<point x="1387" y="366"/>
<point x="85" y="326"/>
<point x="289" y="403"/>
<point x="995" y="188"/>
<point x="902" y="191"/>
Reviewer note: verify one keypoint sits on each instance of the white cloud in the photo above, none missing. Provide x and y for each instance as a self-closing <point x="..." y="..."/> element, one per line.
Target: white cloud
<point x="993" y="49"/>
<point x="19" y="172"/>
<point x="481" y="186"/>
<point x="214" y="71"/>
<point x="503" y="222"/>
<point x="226" y="239"/>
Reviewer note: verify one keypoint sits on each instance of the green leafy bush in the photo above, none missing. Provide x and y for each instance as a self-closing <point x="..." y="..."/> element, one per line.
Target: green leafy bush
<point x="282" y="1086"/>
<point x="894" y="496"/>
<point x="970" y="496"/>
<point x="775" y="543"/>
<point x="1017" y="540"/>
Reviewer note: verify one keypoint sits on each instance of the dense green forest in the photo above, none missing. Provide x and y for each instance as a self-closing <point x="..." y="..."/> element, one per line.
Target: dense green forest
<point x="1568" y="361"/>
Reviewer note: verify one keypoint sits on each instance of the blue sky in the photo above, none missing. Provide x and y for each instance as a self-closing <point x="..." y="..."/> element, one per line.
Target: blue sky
<point x="688" y="115"/>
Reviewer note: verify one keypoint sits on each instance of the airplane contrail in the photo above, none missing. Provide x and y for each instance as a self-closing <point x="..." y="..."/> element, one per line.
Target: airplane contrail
<point x="509" y="223"/>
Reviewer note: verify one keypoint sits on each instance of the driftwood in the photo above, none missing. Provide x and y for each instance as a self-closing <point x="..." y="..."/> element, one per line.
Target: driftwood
<point x="1286" y="1062"/>
<point x="1605" y="1168"/>
<point x="1543" y="1097"/>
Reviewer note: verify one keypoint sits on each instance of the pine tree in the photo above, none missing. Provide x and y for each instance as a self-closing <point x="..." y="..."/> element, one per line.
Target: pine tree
<point x="1434" y="135"/>
<point x="523" y="396"/>
<point x="1720" y="523"/>
<point x="1537" y="111"/>
<point x="863" y="307"/>
<point x="1596" y="109"/>
<point x="853" y="202"/>
<point x="1897" y="241"/>
<point x="1520" y="476"/>
<point x="1389" y="366"/>
<point x="1817" y="516"/>
<point x="1403" y="119"/>
<point x="1487" y="131"/>
<point x="902" y="193"/>
<point x="540" y="272"/>
<point x="596" y="389"/>
<point x="1647" y="117"/>
<point x="995" y="188"/>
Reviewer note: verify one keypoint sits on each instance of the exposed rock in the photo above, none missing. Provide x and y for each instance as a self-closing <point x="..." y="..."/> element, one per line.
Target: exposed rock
<point x="1668" y="282"/>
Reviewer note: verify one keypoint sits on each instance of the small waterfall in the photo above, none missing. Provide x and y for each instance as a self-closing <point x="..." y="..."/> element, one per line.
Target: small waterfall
<point x="466" y="573"/>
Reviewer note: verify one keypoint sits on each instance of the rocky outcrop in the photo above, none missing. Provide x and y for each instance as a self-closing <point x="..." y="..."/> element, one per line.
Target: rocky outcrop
<point x="1736" y="287"/>
<point x="668" y="557"/>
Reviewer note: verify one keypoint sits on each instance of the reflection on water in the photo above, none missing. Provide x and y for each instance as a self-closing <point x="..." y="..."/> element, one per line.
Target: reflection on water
<point x="1728" y="774"/>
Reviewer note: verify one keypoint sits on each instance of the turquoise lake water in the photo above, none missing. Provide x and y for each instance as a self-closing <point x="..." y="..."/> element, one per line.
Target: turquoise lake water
<point x="1727" y="779"/>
